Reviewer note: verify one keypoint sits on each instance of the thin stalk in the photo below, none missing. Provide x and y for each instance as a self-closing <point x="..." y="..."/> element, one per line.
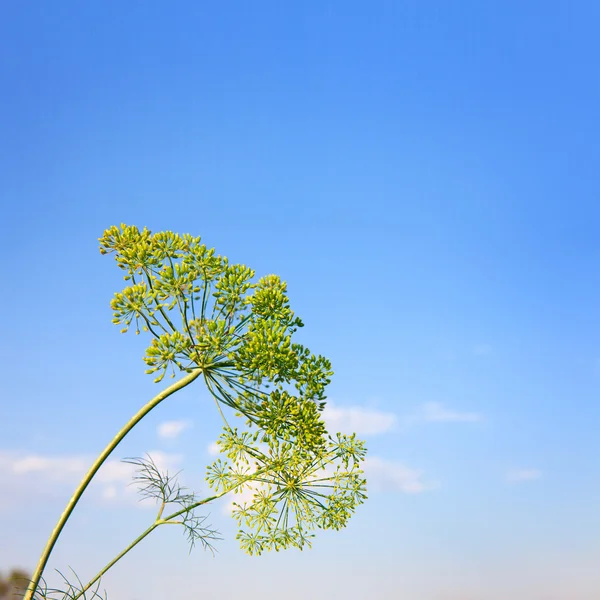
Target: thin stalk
<point x="148" y="325"/>
<point x="166" y="521"/>
<point x="119" y="556"/>
<point x="158" y="304"/>
<point x="184" y="381"/>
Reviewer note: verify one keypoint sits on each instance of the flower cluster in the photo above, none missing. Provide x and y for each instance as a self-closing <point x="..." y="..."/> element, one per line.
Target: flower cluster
<point x="208" y="315"/>
<point x="292" y="492"/>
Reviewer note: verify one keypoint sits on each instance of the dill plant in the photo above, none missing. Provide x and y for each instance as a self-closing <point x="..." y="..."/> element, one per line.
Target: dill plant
<point x="208" y="320"/>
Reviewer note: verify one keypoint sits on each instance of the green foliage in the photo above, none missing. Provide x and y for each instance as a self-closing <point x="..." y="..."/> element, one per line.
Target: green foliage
<point x="166" y="490"/>
<point x="73" y="589"/>
<point x="292" y="491"/>
<point x="208" y="319"/>
<point x="204" y="313"/>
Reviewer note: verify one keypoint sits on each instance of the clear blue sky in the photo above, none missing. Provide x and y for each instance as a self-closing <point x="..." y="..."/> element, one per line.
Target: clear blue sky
<point x="424" y="175"/>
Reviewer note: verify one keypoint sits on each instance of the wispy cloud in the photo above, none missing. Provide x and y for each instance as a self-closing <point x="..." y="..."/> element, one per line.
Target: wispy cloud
<point x="521" y="475"/>
<point x="109" y="492"/>
<point x="435" y="411"/>
<point x="391" y="476"/>
<point x="359" y="420"/>
<point x="63" y="469"/>
<point x="171" y="429"/>
<point x="37" y="477"/>
<point x="213" y="449"/>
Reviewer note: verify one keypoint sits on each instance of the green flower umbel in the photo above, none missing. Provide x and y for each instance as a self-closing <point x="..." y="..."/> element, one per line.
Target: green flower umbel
<point x="205" y="314"/>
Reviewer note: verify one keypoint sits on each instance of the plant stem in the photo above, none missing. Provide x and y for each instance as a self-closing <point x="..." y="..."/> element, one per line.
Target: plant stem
<point x="119" y="556"/>
<point x="159" y="521"/>
<point x="166" y="521"/>
<point x="126" y="550"/>
<point x="184" y="381"/>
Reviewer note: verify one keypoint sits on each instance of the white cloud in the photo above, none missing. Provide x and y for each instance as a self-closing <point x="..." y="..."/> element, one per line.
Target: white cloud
<point x="165" y="461"/>
<point x="355" y="419"/>
<point x="435" y="411"/>
<point x="115" y="471"/>
<point x="520" y="475"/>
<point x="109" y="492"/>
<point x="36" y="477"/>
<point x="60" y="469"/>
<point x="172" y="429"/>
<point x="393" y="476"/>
<point x="214" y="449"/>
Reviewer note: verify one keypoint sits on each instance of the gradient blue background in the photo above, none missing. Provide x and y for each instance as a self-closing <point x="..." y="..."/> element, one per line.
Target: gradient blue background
<point x="424" y="175"/>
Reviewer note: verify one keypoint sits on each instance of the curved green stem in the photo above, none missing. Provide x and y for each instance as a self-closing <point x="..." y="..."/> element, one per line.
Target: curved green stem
<point x="119" y="556"/>
<point x="184" y="381"/>
<point x="159" y="521"/>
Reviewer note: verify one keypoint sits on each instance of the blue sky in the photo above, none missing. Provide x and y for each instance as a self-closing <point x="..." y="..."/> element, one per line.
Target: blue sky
<point x="422" y="174"/>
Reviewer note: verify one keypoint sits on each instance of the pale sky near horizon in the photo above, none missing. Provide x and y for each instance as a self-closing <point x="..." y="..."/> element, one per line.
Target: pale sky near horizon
<point x="424" y="175"/>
